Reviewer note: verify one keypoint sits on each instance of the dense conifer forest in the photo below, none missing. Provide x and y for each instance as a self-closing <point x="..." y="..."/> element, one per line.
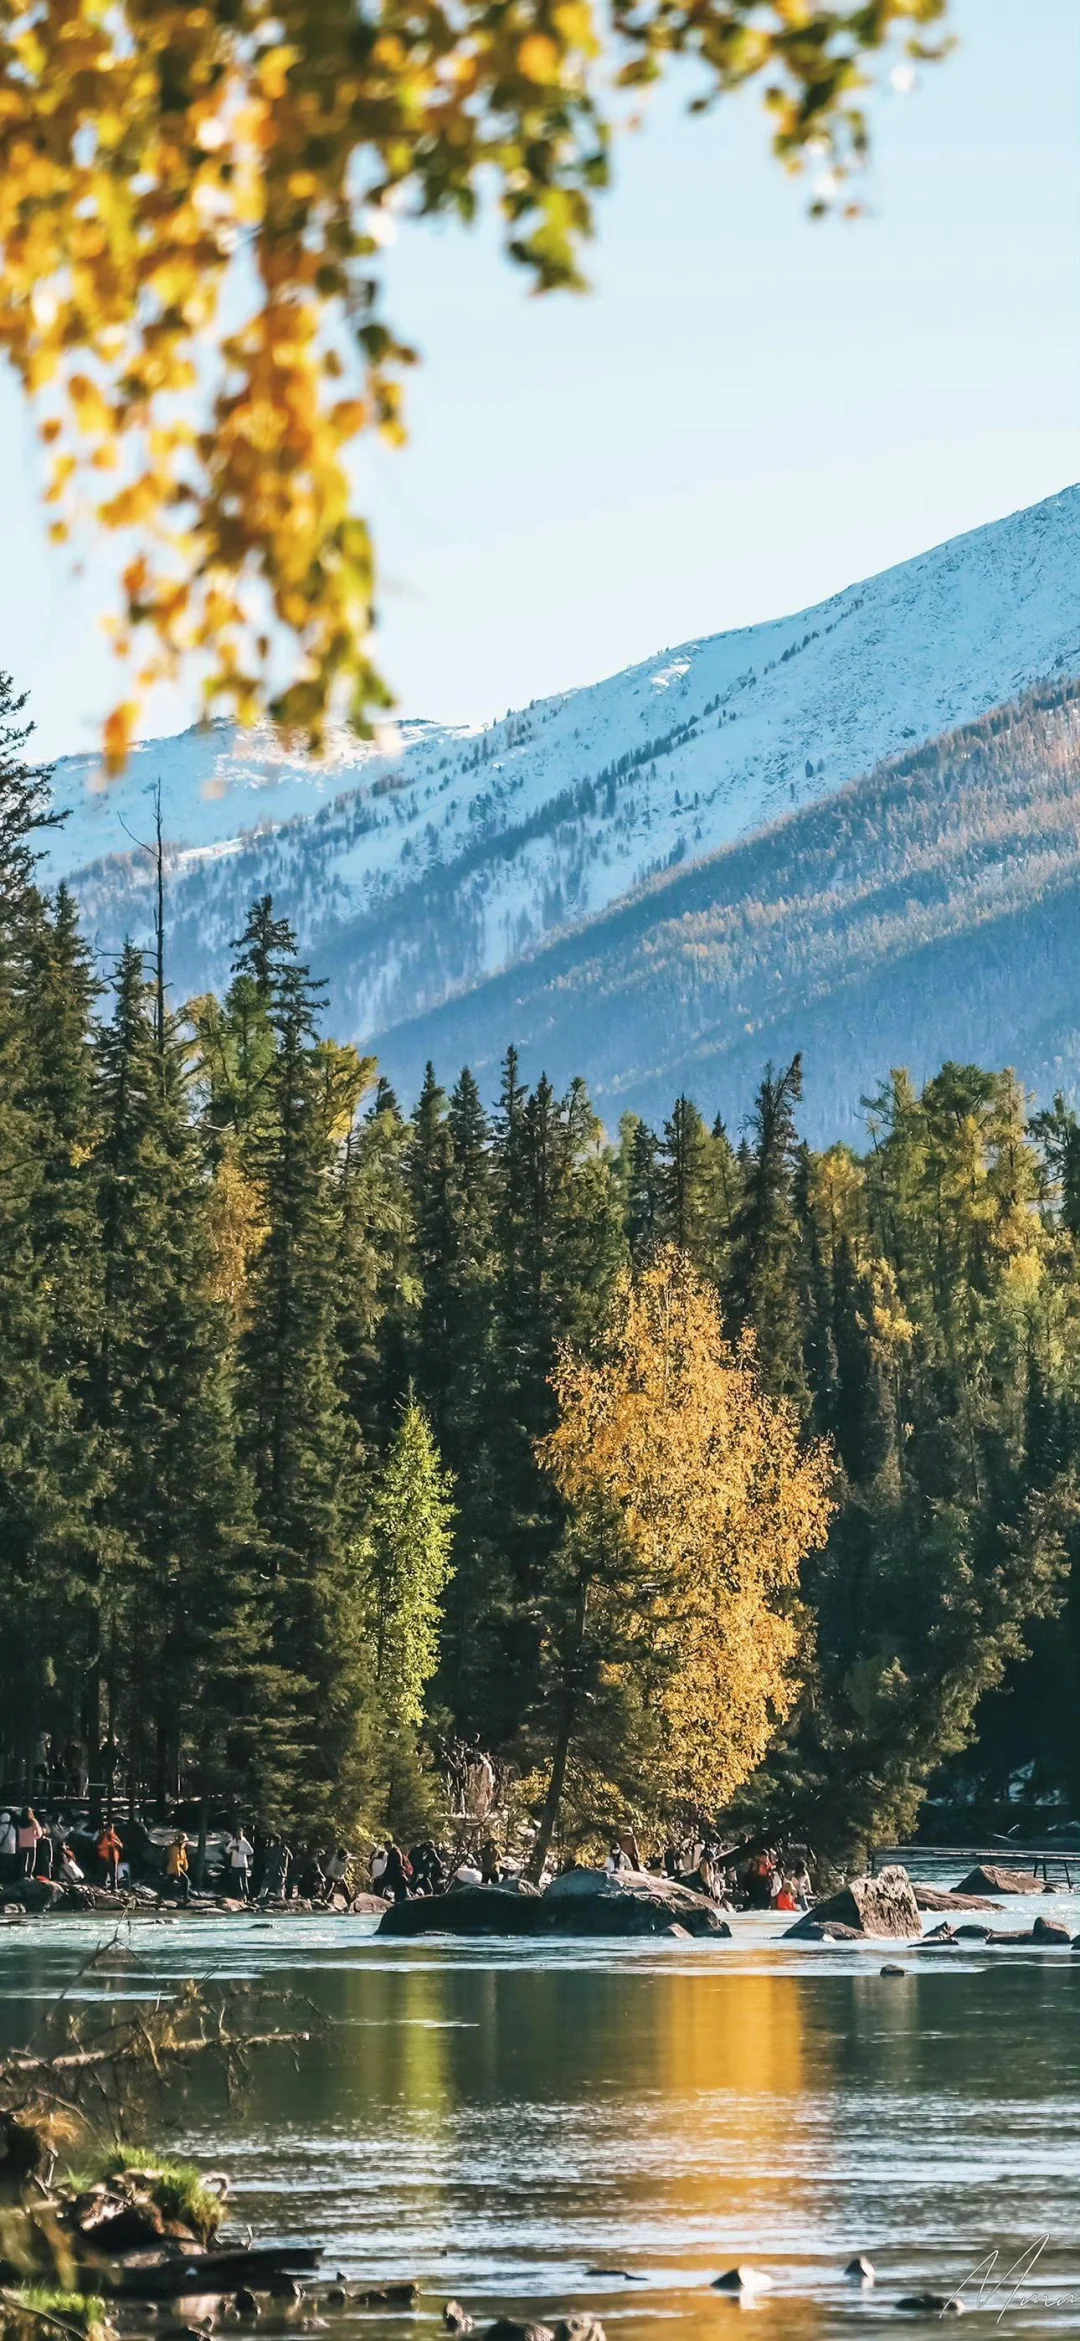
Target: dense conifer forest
<point x="297" y="1466"/>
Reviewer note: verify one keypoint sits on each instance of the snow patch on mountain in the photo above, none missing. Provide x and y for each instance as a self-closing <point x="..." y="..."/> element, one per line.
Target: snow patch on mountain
<point x="414" y="866"/>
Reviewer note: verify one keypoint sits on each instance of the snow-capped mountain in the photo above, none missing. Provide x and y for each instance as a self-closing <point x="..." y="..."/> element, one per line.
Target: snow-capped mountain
<point x="413" y="870"/>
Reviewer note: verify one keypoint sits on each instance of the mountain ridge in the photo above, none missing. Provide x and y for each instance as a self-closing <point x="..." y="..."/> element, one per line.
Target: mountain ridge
<point x="929" y="909"/>
<point x="414" y="879"/>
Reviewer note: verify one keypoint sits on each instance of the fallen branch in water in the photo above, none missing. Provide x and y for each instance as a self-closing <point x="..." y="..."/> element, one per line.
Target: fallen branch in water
<point x="79" y="2059"/>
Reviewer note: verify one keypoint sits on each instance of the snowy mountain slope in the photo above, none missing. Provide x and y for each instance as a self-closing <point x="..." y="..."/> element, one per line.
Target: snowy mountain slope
<point x="929" y="910"/>
<point x="412" y="875"/>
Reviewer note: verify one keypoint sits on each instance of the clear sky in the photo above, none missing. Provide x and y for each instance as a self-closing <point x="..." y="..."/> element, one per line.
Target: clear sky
<point x="746" y="413"/>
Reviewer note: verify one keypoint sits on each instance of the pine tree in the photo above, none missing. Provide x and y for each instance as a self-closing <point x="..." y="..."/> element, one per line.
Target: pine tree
<point x="686" y="1185"/>
<point x="409" y="1538"/>
<point x="766" y="1269"/>
<point x="183" y="1661"/>
<point x="296" y="1439"/>
<point x="46" y="1279"/>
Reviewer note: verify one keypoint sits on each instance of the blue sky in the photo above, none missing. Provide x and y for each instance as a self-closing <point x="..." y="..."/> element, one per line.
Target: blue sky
<point x="747" y="412"/>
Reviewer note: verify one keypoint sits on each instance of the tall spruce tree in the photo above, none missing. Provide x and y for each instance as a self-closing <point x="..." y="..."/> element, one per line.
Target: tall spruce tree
<point x="296" y="1437"/>
<point x="47" y="1274"/>
<point x="766" y="1268"/>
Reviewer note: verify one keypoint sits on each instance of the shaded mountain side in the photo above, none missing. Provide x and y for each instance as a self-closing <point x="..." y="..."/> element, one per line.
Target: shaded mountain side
<point x="420" y="871"/>
<point x="929" y="910"/>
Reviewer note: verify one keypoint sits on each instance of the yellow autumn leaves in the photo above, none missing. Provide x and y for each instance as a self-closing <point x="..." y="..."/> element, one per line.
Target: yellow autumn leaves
<point x="192" y="201"/>
<point x="718" y="1503"/>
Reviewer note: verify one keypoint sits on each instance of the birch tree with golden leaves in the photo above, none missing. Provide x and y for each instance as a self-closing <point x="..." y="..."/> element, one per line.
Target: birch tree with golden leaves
<point x="692" y="1503"/>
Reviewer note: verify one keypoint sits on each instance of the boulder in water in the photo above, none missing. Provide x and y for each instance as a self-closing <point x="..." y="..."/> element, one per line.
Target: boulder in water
<point x="508" y="2329"/>
<point x="932" y="2304"/>
<point x="860" y="2270"/>
<point x="744" y="2280"/>
<point x="36" y="1894"/>
<point x="626" y="1902"/>
<point x="987" y="1879"/>
<point x="936" y="1898"/>
<point x="466" y="1910"/>
<point x="456" y="2319"/>
<point x="883" y="1905"/>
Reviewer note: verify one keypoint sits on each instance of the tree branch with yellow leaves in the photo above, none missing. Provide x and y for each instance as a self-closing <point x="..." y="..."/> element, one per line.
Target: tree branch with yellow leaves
<point x="193" y="205"/>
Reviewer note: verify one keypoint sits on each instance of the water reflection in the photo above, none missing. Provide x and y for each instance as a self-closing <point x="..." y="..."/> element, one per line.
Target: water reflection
<point x="499" y="2123"/>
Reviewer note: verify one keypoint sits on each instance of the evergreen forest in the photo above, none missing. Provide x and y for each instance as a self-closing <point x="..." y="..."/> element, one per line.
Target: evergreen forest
<point x="334" y="1424"/>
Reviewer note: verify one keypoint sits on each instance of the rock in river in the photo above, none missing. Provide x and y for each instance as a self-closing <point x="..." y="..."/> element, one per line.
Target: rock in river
<point x="465" y="1910"/>
<point x="932" y="2304"/>
<point x="508" y="2329"/>
<point x="881" y="1905"/>
<point x="743" y="2279"/>
<point x="581" y="1902"/>
<point x="626" y="1902"/>
<point x="988" y="1880"/>
<point x="935" y="1898"/>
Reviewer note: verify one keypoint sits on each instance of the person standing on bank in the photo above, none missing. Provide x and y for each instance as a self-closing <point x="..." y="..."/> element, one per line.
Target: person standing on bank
<point x="109" y="1850"/>
<point x="177" y="1876"/>
<point x="240" y="1853"/>
<point x="28" y="1830"/>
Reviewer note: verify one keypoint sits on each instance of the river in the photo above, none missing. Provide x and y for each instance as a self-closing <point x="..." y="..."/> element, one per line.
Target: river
<point x="497" y="2121"/>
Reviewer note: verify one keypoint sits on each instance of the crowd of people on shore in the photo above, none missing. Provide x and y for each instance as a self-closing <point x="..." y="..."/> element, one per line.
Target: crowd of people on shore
<point x="772" y="1879"/>
<point x="57" y="1848"/>
<point x="264" y="1867"/>
<point x="52" y="1841"/>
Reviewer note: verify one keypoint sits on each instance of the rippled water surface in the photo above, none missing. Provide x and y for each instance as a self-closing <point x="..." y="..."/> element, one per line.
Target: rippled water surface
<point x="499" y="2121"/>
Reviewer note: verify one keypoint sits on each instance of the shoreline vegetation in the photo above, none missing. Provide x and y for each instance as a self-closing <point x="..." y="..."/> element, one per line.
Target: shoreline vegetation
<point x="707" y="1485"/>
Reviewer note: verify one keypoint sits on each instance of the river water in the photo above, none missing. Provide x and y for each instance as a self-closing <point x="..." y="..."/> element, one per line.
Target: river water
<point x="499" y="2121"/>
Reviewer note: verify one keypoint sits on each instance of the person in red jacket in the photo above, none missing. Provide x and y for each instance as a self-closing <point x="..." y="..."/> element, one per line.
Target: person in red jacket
<point x="109" y="1850"/>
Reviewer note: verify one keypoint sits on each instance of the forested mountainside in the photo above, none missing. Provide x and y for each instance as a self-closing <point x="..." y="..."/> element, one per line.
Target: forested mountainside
<point x="411" y="877"/>
<point x="929" y="910"/>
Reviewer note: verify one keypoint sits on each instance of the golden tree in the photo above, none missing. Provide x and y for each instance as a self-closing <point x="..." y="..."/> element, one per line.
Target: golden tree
<point x="194" y="196"/>
<point x="693" y="1503"/>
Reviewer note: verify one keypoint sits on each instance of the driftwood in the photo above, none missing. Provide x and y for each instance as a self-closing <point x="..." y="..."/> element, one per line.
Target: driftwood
<point x="167" y="2275"/>
<point x="84" y="2059"/>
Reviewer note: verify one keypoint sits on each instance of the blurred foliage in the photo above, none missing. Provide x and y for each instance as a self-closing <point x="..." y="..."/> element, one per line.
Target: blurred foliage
<point x="193" y="200"/>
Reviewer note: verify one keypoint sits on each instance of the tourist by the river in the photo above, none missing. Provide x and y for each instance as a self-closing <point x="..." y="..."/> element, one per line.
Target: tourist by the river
<point x="337" y="1869"/>
<point x="109" y="1850"/>
<point x="9" y="1844"/>
<point x="275" y="1870"/>
<point x="67" y="1868"/>
<point x="426" y="1872"/>
<point x="377" y="1868"/>
<point x="490" y="1865"/>
<point x="307" y="1875"/>
<point x="27" y="1833"/>
<point x="395" y="1877"/>
<point x="757" y="1881"/>
<point x="177" y="1874"/>
<point x="616" y="1860"/>
<point x="239" y="1854"/>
